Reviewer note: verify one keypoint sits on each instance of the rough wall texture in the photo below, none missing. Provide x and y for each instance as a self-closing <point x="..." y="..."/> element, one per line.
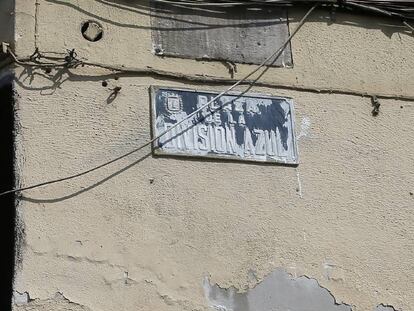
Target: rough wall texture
<point x="145" y="232"/>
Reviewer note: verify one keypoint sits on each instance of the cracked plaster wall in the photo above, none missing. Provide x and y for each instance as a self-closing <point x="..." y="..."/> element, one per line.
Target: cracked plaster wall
<point x="143" y="233"/>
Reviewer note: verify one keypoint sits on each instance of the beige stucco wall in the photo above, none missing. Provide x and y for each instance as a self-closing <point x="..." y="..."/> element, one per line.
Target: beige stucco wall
<point x="143" y="233"/>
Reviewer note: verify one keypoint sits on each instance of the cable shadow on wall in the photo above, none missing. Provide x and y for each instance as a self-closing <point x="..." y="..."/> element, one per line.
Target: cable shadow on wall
<point x="171" y="138"/>
<point x="86" y="189"/>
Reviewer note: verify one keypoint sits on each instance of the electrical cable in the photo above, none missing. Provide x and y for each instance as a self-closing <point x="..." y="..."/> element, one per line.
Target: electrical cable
<point x="198" y="78"/>
<point x="392" y="8"/>
<point x="275" y="55"/>
<point x="33" y="61"/>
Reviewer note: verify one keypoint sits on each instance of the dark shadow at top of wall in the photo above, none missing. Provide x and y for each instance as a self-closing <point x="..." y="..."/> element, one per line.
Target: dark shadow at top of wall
<point x="143" y="8"/>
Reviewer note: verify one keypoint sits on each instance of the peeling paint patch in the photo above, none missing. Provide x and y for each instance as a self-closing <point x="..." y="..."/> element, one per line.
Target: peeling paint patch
<point x="383" y="307"/>
<point x="278" y="291"/>
<point x="58" y="302"/>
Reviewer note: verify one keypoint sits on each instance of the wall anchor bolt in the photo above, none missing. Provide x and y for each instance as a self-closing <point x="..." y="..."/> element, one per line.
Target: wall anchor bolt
<point x="376" y="104"/>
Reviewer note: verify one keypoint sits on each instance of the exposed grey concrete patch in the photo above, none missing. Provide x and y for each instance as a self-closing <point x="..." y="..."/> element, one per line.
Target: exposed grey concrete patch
<point x="276" y="292"/>
<point x="237" y="34"/>
<point x="299" y="187"/>
<point x="383" y="307"/>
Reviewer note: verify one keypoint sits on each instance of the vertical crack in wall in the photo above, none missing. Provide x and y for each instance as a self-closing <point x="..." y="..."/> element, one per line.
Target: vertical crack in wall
<point x="277" y="291"/>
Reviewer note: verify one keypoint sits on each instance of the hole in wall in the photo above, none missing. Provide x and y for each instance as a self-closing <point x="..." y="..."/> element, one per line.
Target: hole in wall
<point x="7" y="202"/>
<point x="92" y="31"/>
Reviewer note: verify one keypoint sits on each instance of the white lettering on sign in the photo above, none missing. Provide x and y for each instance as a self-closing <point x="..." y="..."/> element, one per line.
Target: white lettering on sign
<point x="219" y="139"/>
<point x="250" y="127"/>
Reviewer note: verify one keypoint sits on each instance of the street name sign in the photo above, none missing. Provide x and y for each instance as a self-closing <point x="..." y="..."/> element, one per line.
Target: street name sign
<point x="246" y="127"/>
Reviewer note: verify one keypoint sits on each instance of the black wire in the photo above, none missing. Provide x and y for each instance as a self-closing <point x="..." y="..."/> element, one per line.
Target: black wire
<point x="71" y="59"/>
<point x="75" y="175"/>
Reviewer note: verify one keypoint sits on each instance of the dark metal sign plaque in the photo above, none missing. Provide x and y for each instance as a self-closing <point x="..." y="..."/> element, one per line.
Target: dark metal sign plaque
<point x="248" y="127"/>
<point x="236" y="34"/>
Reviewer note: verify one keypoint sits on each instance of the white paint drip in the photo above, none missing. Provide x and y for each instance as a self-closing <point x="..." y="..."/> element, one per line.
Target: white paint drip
<point x="327" y="268"/>
<point x="283" y="58"/>
<point x="304" y="128"/>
